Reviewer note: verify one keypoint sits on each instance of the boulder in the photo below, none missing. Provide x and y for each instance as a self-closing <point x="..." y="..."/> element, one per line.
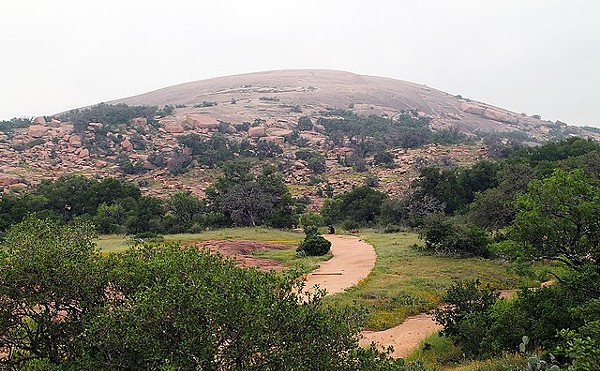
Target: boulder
<point x="257" y="132"/>
<point x="74" y="141"/>
<point x="127" y="145"/>
<point x="39" y="121"/>
<point x="280" y="132"/>
<point x="37" y="131"/>
<point x="201" y="121"/>
<point x="173" y="128"/>
<point x="276" y="140"/>
<point x="94" y="125"/>
<point x="84" y="153"/>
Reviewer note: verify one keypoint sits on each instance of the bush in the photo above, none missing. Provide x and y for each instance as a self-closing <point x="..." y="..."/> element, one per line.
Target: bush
<point x="305" y="123"/>
<point x="466" y="317"/>
<point x="314" y="245"/>
<point x="391" y="228"/>
<point x="444" y="235"/>
<point x="350" y="224"/>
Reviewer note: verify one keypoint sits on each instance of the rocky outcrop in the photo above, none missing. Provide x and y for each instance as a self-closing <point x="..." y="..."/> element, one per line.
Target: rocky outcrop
<point x="488" y="112"/>
<point x="501" y="116"/>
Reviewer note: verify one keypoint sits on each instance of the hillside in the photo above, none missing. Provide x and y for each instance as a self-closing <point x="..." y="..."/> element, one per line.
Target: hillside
<point x="318" y="90"/>
<point x="199" y="125"/>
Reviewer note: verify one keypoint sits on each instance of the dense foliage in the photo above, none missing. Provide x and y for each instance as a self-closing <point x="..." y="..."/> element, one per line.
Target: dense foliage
<point x="116" y="206"/>
<point x="370" y="133"/>
<point x="64" y="306"/>
<point x="241" y="198"/>
<point x="7" y="126"/>
<point x="360" y="206"/>
<point x="107" y="114"/>
<point x="556" y="219"/>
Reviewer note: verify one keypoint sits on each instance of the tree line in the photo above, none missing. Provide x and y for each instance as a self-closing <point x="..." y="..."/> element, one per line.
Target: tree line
<point x="239" y="197"/>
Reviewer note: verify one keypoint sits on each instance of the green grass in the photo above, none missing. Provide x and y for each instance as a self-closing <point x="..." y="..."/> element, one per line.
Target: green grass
<point x="438" y="353"/>
<point x="116" y="243"/>
<point x="289" y="258"/>
<point x="406" y="282"/>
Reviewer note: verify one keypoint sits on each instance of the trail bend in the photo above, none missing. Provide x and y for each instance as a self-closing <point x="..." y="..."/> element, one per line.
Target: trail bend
<point x="353" y="259"/>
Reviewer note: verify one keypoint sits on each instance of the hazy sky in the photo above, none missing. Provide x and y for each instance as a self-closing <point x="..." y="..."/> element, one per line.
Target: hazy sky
<point x="533" y="56"/>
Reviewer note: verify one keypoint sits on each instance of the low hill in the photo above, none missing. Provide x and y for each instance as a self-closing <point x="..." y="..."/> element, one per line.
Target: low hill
<point x="325" y="131"/>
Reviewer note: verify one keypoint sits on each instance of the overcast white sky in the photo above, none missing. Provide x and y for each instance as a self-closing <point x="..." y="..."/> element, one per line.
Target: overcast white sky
<point x="533" y="56"/>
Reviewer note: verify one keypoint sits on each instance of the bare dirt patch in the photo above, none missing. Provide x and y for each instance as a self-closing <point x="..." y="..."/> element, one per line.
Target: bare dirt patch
<point x="242" y="251"/>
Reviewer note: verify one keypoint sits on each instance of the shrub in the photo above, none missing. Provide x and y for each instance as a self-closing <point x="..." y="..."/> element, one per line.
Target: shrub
<point x="466" y="317"/>
<point x="314" y="245"/>
<point x="305" y="123"/>
<point x="444" y="235"/>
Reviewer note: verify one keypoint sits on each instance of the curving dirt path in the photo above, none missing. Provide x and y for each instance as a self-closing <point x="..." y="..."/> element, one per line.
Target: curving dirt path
<point x="353" y="259"/>
<point x="405" y="337"/>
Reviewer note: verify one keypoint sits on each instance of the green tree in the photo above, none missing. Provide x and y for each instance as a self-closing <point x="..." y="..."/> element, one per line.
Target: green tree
<point x="51" y="280"/>
<point x="447" y="235"/>
<point x="362" y="205"/>
<point x="465" y="318"/>
<point x="558" y="219"/>
<point x="305" y="123"/>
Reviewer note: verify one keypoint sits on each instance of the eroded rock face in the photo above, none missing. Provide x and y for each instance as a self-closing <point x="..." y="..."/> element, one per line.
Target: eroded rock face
<point x="488" y="112"/>
<point x="473" y="108"/>
<point x="498" y="115"/>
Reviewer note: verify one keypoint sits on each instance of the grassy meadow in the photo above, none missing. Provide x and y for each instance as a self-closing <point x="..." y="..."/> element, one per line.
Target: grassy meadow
<point x="117" y="243"/>
<point x="405" y="281"/>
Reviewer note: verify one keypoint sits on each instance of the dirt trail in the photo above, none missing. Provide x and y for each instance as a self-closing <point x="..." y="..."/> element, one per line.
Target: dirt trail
<point x="353" y="259"/>
<point x="405" y="337"/>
